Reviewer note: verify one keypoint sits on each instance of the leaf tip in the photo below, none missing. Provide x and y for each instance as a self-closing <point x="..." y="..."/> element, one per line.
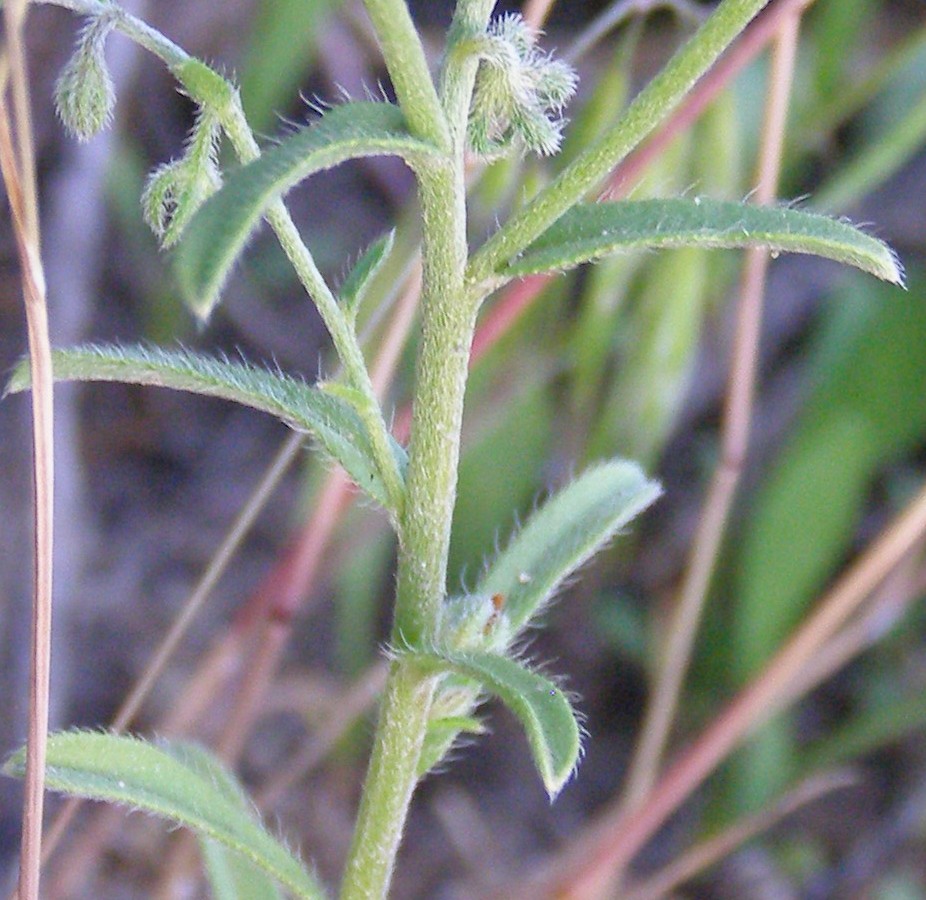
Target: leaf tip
<point x="555" y="782"/>
<point x="15" y="765"/>
<point x="18" y="379"/>
<point x="895" y="272"/>
<point x="200" y="303"/>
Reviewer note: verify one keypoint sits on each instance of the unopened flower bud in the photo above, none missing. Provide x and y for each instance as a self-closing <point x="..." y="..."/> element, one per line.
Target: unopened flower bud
<point x="84" y="94"/>
<point x="177" y="189"/>
<point x="519" y="92"/>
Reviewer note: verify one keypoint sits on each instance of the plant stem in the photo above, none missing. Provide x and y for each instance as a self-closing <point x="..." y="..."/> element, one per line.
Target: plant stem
<point x="408" y="68"/>
<point x="342" y="333"/>
<point x="391" y="780"/>
<point x="17" y="162"/>
<point x="424" y="534"/>
<point x="448" y="323"/>
<point x="650" y="107"/>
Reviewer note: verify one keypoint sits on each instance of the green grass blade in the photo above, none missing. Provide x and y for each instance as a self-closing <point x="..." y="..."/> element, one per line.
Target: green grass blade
<point x="137" y="774"/>
<point x="333" y="422"/>
<point x="594" y="230"/>
<point x="218" y="232"/>
<point x="566" y="531"/>
<point x="543" y="709"/>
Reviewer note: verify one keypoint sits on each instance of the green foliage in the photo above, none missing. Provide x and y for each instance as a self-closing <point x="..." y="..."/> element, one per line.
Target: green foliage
<point x="333" y="422"/>
<point x="876" y="162"/>
<point x="565" y="532"/>
<point x="176" y="190"/>
<point x="591" y="231"/>
<point x="542" y="707"/>
<point x="231" y="875"/>
<point x="284" y="44"/>
<point x="354" y="288"/>
<point x="500" y="466"/>
<point x="520" y="92"/>
<point x="867" y="408"/>
<point x="206" y="87"/>
<point x="139" y="775"/>
<point x="219" y="232"/>
<point x="650" y="386"/>
<point x="497" y="91"/>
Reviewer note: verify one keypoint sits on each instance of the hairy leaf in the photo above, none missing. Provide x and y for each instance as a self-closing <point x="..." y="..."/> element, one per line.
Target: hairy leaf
<point x="544" y="710"/>
<point x="332" y="421"/>
<point x="353" y="290"/>
<point x="568" y="529"/>
<point x="591" y="231"/>
<point x="138" y="774"/>
<point x="443" y="733"/>
<point x="220" y="229"/>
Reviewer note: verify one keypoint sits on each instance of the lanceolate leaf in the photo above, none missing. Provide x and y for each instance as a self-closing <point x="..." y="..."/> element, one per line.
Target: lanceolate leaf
<point x="543" y="708"/>
<point x="220" y="229"/>
<point x="591" y="231"/>
<point x="138" y="774"/>
<point x="568" y="529"/>
<point x="332" y="421"/>
<point x="355" y="286"/>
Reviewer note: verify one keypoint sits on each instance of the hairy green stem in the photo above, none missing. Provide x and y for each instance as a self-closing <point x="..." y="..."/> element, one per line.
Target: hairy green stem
<point x="348" y="349"/>
<point x="339" y="327"/>
<point x="424" y="533"/>
<point x="408" y="69"/>
<point x="649" y="108"/>
<point x="469" y="24"/>
<point x="391" y="779"/>
<point x="133" y="28"/>
<point x="448" y="323"/>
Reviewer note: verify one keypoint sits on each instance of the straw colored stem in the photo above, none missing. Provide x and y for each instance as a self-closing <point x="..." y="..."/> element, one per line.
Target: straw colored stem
<point x="17" y="163"/>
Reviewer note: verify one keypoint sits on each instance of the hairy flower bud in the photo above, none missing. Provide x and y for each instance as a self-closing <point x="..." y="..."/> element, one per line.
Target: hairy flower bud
<point x="84" y="94"/>
<point x="177" y="189"/>
<point x="520" y="92"/>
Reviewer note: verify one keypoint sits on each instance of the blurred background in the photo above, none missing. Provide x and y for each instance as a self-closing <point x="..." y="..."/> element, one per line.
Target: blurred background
<point x="626" y="359"/>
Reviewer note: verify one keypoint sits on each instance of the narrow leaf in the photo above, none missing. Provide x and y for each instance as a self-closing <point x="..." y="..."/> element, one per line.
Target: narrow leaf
<point x="354" y="288"/>
<point x="591" y="231"/>
<point x="135" y="773"/>
<point x="220" y="229"/>
<point x="332" y="421"/>
<point x="443" y="734"/>
<point x="542" y="707"/>
<point x="566" y="531"/>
